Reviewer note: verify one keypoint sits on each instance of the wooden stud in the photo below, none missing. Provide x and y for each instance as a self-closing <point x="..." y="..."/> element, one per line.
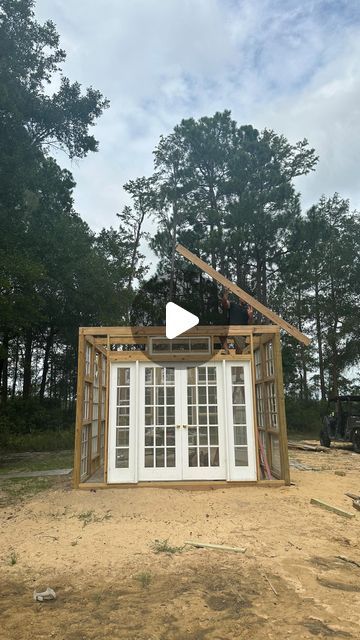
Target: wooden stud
<point x="107" y="414"/>
<point x="271" y="315"/>
<point x="256" y="430"/>
<point x="79" y="410"/>
<point x="329" y="507"/>
<point x="284" y="454"/>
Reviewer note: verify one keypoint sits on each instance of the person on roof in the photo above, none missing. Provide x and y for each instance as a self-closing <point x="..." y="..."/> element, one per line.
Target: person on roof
<point x="237" y="313"/>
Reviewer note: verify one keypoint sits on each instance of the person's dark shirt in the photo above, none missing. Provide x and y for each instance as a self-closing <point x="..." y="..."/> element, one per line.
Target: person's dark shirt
<point x="237" y="313"/>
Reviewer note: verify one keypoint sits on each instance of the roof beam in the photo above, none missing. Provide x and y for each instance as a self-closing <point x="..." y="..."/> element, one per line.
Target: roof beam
<point x="271" y="315"/>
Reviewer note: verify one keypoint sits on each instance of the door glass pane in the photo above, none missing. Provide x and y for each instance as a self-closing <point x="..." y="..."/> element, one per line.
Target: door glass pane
<point x="241" y="457"/>
<point x="239" y="416"/>
<point x="160" y="412"/>
<point x="202" y="411"/>
<point x="123" y="394"/>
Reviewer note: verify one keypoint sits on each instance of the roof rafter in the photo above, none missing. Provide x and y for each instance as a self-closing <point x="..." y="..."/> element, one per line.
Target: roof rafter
<point x="265" y="311"/>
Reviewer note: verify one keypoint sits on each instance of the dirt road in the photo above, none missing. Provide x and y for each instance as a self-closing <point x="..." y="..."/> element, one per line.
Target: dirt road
<point x="97" y="551"/>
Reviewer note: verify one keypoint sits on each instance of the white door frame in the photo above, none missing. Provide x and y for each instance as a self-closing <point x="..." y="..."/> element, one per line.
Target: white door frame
<point x="248" y="472"/>
<point x="136" y="471"/>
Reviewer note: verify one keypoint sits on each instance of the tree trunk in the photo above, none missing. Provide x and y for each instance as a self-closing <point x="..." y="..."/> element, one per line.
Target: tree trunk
<point x="27" y="363"/>
<point x="319" y="341"/>
<point x="16" y="364"/>
<point x="45" y="370"/>
<point x="5" y="360"/>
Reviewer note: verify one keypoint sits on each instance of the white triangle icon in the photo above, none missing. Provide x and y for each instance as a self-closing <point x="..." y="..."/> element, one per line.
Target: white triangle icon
<point x="178" y="320"/>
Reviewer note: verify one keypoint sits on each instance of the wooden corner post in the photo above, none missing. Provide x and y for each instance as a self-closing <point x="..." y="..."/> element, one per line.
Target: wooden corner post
<point x="79" y="408"/>
<point x="283" y="442"/>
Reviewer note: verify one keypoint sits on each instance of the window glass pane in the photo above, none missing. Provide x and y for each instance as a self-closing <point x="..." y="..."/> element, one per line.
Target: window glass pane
<point x="202" y="374"/>
<point x="122" y="416"/>
<point x="240" y="435"/>
<point x="214" y="456"/>
<point x="159" y="395"/>
<point x="202" y="415"/>
<point x="211" y="374"/>
<point x="149" y="437"/>
<point x="214" y="436"/>
<point x="170" y="436"/>
<point x="122" y="458"/>
<point x="160" y="415"/>
<point x="191" y="415"/>
<point x="204" y="457"/>
<point x="241" y="457"/>
<point x="123" y="395"/>
<point x="149" y="457"/>
<point x="191" y="395"/>
<point x="193" y="458"/>
<point x="122" y="437"/>
<point x="202" y="395"/>
<point x="237" y="375"/>
<point x="275" y="453"/>
<point x="149" y="415"/>
<point x="170" y="375"/>
<point x="170" y="457"/>
<point x="159" y="375"/>
<point x="160" y="436"/>
<point x="212" y="393"/>
<point x="170" y="415"/>
<point x="191" y="375"/>
<point x="170" y="395"/>
<point x="239" y="415"/>
<point x="192" y="436"/>
<point x="203" y="435"/>
<point x="149" y="375"/>
<point x="238" y="395"/>
<point x="160" y="457"/>
<point x="149" y="395"/>
<point x="123" y="376"/>
<point x="213" y="415"/>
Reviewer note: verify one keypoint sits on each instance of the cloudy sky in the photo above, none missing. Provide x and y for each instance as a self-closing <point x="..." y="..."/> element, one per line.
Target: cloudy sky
<point x="288" y="65"/>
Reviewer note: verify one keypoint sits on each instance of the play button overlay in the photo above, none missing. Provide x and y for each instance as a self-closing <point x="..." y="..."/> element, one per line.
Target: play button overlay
<point x="178" y="320"/>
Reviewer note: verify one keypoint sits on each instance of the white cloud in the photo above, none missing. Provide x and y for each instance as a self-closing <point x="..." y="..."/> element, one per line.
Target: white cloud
<point x="277" y="63"/>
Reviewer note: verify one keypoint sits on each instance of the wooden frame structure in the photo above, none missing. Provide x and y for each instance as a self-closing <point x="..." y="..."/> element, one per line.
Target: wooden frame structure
<point x="100" y="347"/>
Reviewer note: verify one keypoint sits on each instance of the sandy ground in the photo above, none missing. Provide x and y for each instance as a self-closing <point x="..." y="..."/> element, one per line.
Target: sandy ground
<point x="95" y="550"/>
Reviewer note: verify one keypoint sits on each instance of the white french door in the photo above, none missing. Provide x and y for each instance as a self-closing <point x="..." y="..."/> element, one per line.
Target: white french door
<point x="181" y="422"/>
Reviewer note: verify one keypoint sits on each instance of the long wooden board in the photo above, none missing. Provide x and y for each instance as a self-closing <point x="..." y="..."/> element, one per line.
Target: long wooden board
<point x="271" y="315"/>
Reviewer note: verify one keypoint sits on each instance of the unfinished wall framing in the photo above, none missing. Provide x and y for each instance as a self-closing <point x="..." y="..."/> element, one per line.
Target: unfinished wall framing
<point x="110" y="420"/>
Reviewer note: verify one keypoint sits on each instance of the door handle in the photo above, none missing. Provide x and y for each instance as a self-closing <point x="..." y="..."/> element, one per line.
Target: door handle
<point x="178" y="426"/>
<point x="185" y="426"/>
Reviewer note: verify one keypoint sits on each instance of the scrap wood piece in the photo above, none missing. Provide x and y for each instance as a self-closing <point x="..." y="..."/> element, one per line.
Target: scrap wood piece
<point x="307" y="447"/>
<point x="271" y="585"/>
<point x="353" y="496"/>
<point x="222" y="547"/>
<point x="271" y="315"/>
<point x="329" y="507"/>
<point x="356" y="504"/>
<point x="345" y="559"/>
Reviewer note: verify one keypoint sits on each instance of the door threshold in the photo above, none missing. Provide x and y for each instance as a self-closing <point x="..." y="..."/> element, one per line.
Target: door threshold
<point x="197" y="485"/>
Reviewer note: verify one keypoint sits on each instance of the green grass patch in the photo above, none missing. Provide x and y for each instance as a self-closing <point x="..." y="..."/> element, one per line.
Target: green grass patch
<point x="19" y="489"/>
<point x="50" y="440"/>
<point x="163" y="546"/>
<point x="144" y="578"/>
<point x="87" y="517"/>
<point x="35" y="461"/>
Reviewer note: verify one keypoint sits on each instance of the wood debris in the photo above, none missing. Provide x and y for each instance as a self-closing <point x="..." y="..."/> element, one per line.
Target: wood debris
<point x="222" y="547"/>
<point x="329" y="507"/>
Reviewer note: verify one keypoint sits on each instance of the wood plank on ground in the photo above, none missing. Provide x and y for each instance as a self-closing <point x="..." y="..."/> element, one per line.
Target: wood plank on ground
<point x="330" y="507"/>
